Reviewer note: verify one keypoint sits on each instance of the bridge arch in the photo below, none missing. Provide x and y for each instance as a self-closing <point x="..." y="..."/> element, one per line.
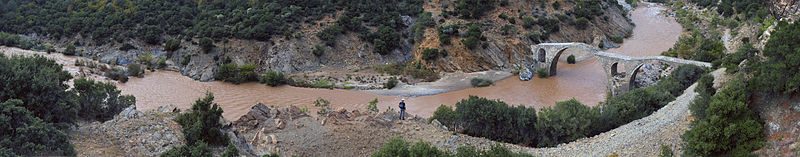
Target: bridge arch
<point x="632" y="81"/>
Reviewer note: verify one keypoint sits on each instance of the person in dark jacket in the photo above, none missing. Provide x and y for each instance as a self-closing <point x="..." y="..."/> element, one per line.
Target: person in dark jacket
<point x="402" y="109"/>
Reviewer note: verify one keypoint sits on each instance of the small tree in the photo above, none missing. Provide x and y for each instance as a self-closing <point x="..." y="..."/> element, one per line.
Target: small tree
<point x="207" y="44"/>
<point x="172" y="45"/>
<point x="274" y="78"/>
<point x="70" y="50"/>
<point x="391" y="83"/>
<point x="162" y="62"/>
<point x="323" y="105"/>
<point x="135" y="70"/>
<point x="373" y="106"/>
<point x="318" y="50"/>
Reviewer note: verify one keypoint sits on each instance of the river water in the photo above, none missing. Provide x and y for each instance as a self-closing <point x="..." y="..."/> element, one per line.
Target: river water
<point x="584" y="81"/>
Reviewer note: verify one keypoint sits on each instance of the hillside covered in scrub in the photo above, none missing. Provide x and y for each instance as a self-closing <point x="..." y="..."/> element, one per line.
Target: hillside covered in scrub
<point x="426" y="36"/>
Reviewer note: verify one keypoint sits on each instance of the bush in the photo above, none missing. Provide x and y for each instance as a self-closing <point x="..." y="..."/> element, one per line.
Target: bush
<point x="231" y="151"/>
<point x="571" y="59"/>
<point x="666" y="151"/>
<point x="780" y="72"/>
<point x="473" y="9"/>
<point x="541" y="73"/>
<point x="731" y="127"/>
<point x="430" y="53"/>
<point x="126" y="47"/>
<point x="397" y="147"/>
<point x="731" y="62"/>
<point x="41" y="85"/>
<point x="705" y="91"/>
<point x="117" y="74"/>
<point x="236" y="74"/>
<point x="318" y="50"/>
<point x="100" y="101"/>
<point x="479" y="82"/>
<point x="70" y="50"/>
<point x="24" y="134"/>
<point x="617" y="39"/>
<point x="186" y="60"/>
<point x="274" y="78"/>
<point x="321" y="84"/>
<point x="199" y="149"/>
<point x="172" y="45"/>
<point x="564" y="122"/>
<point x="135" y="70"/>
<point x="323" y="105"/>
<point x="581" y="23"/>
<point x="473" y="36"/>
<point x="391" y="83"/>
<point x="697" y="47"/>
<point x="446" y="115"/>
<point x="489" y="118"/>
<point x="146" y="59"/>
<point x="162" y="62"/>
<point x="201" y="124"/>
<point x="207" y="44"/>
<point x="687" y="74"/>
<point x="373" y="106"/>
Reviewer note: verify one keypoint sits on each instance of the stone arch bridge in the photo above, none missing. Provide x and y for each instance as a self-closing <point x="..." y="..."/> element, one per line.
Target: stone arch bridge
<point x="546" y="55"/>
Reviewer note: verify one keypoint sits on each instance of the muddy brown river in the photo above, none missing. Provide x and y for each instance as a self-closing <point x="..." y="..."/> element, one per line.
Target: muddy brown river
<point x="584" y="81"/>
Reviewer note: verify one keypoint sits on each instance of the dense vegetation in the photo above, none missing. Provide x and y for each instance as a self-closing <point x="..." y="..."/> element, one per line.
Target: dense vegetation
<point x="729" y="126"/>
<point x="382" y="19"/>
<point x="781" y="71"/>
<point x="397" y="147"/>
<point x="750" y="8"/>
<point x="100" y="100"/>
<point x="36" y="108"/>
<point x="201" y="129"/>
<point x="567" y="120"/>
<point x="697" y="47"/>
<point x="274" y="78"/>
<point x="236" y="74"/>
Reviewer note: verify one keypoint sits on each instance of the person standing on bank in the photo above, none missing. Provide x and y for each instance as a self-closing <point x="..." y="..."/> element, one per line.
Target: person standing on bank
<point x="402" y="106"/>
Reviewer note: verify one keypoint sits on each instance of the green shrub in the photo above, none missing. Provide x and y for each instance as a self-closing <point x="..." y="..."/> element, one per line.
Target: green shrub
<point x="564" y="122"/>
<point x="430" y="53"/>
<point x="731" y="62"/>
<point x="394" y="147"/>
<point x="391" y="83"/>
<point x="199" y="149"/>
<point x="207" y="44"/>
<point x="318" y="50"/>
<point x="162" y="62"/>
<point x="126" y="47"/>
<point x="373" y="106"/>
<point x="99" y="100"/>
<point x="271" y="155"/>
<point x="274" y="78"/>
<point x="731" y="127"/>
<point x="705" y="91"/>
<point x="231" y="151"/>
<point x="236" y="74"/>
<point x="117" y="74"/>
<point x="473" y="36"/>
<point x="135" y="70"/>
<point x="780" y="72"/>
<point x="473" y="9"/>
<point x="666" y="151"/>
<point x="687" y="74"/>
<point x="446" y="115"/>
<point x="70" y="50"/>
<point x="542" y="73"/>
<point x="581" y="23"/>
<point x="323" y="105"/>
<point x="571" y="59"/>
<point x="172" y="45"/>
<point x="41" y="84"/>
<point x="397" y="147"/>
<point x="321" y="84"/>
<point x="697" y="47"/>
<point x="186" y="60"/>
<point x="617" y="39"/>
<point x="24" y="134"/>
<point x="479" y="82"/>
<point x="488" y="118"/>
<point x="145" y="59"/>
<point x="201" y="124"/>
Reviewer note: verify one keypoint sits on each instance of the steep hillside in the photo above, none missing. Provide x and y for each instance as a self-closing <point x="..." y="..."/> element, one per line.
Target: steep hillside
<point x="311" y="35"/>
